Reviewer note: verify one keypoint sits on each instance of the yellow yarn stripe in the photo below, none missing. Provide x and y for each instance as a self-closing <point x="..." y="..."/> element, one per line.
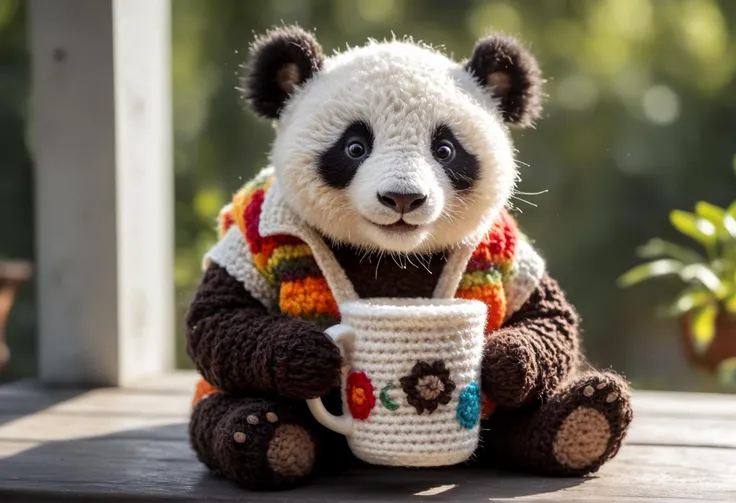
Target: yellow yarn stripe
<point x="480" y="278"/>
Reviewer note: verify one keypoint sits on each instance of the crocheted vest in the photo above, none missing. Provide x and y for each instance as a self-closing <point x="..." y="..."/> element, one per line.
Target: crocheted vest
<point x="289" y="266"/>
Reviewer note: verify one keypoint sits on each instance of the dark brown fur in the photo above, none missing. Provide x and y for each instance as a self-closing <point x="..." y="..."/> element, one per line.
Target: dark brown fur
<point x="271" y="53"/>
<point x="374" y="275"/>
<point x="523" y="438"/>
<point x="501" y="59"/>
<point x="237" y="346"/>
<point x="535" y="350"/>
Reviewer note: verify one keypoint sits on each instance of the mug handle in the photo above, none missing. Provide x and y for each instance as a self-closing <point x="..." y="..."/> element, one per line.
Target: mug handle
<point x="344" y="337"/>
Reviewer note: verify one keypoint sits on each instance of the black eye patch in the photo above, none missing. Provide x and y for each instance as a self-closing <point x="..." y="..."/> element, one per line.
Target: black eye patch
<point x="461" y="167"/>
<point x="339" y="163"/>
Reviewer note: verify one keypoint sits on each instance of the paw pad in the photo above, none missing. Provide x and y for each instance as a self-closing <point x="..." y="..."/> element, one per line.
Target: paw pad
<point x="239" y="437"/>
<point x="291" y="451"/>
<point x="582" y="439"/>
<point x="612" y="397"/>
<point x="271" y="417"/>
<point x="252" y="419"/>
<point x="588" y="391"/>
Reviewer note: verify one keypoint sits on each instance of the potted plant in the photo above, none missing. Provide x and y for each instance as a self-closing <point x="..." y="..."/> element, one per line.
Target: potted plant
<point x="12" y="275"/>
<point x="706" y="305"/>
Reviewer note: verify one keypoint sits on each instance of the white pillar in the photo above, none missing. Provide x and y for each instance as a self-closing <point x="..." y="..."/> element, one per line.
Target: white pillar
<point x="104" y="188"/>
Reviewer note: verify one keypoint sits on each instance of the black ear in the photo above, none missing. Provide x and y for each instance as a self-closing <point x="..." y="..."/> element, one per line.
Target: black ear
<point x="513" y="76"/>
<point x="280" y="60"/>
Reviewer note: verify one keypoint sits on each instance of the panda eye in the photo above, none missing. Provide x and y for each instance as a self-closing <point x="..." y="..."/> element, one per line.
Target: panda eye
<point x="444" y="151"/>
<point x="355" y="149"/>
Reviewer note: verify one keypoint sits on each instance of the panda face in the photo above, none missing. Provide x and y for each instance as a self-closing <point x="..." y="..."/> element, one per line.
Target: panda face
<point x="394" y="147"/>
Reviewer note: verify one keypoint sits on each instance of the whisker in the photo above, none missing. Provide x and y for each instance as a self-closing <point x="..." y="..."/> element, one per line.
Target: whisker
<point x="524" y="201"/>
<point x="365" y="254"/>
<point x="427" y="264"/>
<point x="380" y="256"/>
<point x="532" y="193"/>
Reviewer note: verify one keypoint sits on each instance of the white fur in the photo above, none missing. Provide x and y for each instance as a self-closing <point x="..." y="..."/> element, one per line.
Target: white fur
<point x="403" y="90"/>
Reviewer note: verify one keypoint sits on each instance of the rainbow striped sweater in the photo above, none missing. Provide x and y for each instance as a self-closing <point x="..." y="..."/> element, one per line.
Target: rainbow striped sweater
<point x="287" y="266"/>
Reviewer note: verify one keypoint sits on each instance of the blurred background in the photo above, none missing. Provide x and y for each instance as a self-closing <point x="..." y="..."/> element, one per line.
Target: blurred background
<point x="640" y="120"/>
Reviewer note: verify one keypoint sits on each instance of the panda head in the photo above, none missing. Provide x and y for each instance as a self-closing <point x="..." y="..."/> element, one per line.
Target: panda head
<point x="393" y="146"/>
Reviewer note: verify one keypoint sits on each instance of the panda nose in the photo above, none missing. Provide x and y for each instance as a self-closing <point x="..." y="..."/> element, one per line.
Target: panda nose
<point x="402" y="203"/>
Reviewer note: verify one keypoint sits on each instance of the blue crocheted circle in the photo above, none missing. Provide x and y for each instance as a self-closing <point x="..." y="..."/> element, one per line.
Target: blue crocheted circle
<point x="468" y="408"/>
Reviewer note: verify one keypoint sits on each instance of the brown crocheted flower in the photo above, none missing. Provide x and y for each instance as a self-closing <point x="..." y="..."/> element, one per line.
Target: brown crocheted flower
<point x="428" y="386"/>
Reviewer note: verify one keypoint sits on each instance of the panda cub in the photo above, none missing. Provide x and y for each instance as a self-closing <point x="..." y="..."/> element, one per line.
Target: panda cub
<point x="390" y="176"/>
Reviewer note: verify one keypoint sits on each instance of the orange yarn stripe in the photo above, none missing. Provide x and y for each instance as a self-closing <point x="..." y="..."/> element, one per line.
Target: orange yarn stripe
<point x="307" y="298"/>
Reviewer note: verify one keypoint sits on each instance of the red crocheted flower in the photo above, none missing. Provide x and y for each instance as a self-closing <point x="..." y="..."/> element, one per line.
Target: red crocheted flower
<point x="359" y="394"/>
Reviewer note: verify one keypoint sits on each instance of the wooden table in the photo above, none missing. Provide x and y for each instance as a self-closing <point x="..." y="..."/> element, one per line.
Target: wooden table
<point x="131" y="445"/>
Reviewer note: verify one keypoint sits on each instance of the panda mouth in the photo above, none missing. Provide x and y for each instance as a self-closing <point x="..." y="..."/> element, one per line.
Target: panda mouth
<point x="399" y="226"/>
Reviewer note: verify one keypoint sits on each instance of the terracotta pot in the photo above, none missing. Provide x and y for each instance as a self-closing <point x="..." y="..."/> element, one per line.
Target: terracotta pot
<point x="721" y="348"/>
<point x="12" y="275"/>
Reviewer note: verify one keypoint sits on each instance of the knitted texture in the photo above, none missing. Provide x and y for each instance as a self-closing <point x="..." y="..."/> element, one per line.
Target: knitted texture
<point x="535" y="351"/>
<point x="421" y="358"/>
<point x="289" y="265"/>
<point x="359" y="395"/>
<point x="245" y="344"/>
<point x="490" y="263"/>
<point x="507" y="437"/>
<point x="523" y="277"/>
<point x="258" y="443"/>
<point x="428" y="386"/>
<point x="377" y="275"/>
<point x="285" y="261"/>
<point x="236" y="345"/>
<point x="290" y="268"/>
<point x="579" y="428"/>
<point x="235" y="256"/>
<point x="291" y="451"/>
<point x="469" y="406"/>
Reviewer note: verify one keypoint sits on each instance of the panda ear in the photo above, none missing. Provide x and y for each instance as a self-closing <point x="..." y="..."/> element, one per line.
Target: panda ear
<point x="279" y="61"/>
<point x="512" y="74"/>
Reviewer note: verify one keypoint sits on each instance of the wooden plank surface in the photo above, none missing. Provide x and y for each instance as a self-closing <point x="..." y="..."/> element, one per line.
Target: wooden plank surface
<point x="130" y="445"/>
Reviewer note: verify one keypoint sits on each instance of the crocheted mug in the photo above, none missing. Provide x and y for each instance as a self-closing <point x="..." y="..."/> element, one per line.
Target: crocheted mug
<point x="410" y="385"/>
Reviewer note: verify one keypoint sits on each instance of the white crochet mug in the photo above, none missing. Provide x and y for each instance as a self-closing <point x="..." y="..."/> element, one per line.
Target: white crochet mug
<point x="410" y="385"/>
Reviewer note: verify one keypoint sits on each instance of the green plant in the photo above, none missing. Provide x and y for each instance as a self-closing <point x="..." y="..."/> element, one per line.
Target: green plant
<point x="708" y="272"/>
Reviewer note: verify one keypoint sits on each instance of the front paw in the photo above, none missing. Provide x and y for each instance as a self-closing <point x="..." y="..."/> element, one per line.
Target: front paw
<point x="308" y="365"/>
<point x="509" y="373"/>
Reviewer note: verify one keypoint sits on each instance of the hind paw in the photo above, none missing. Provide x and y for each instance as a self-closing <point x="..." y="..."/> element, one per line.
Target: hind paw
<point x="593" y="429"/>
<point x="256" y="448"/>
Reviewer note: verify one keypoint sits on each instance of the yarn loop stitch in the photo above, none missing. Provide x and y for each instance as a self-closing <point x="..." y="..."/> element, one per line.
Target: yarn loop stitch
<point x="288" y="264"/>
<point x="468" y="408"/>
<point x="386" y="400"/>
<point x="359" y="395"/>
<point x="428" y="386"/>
